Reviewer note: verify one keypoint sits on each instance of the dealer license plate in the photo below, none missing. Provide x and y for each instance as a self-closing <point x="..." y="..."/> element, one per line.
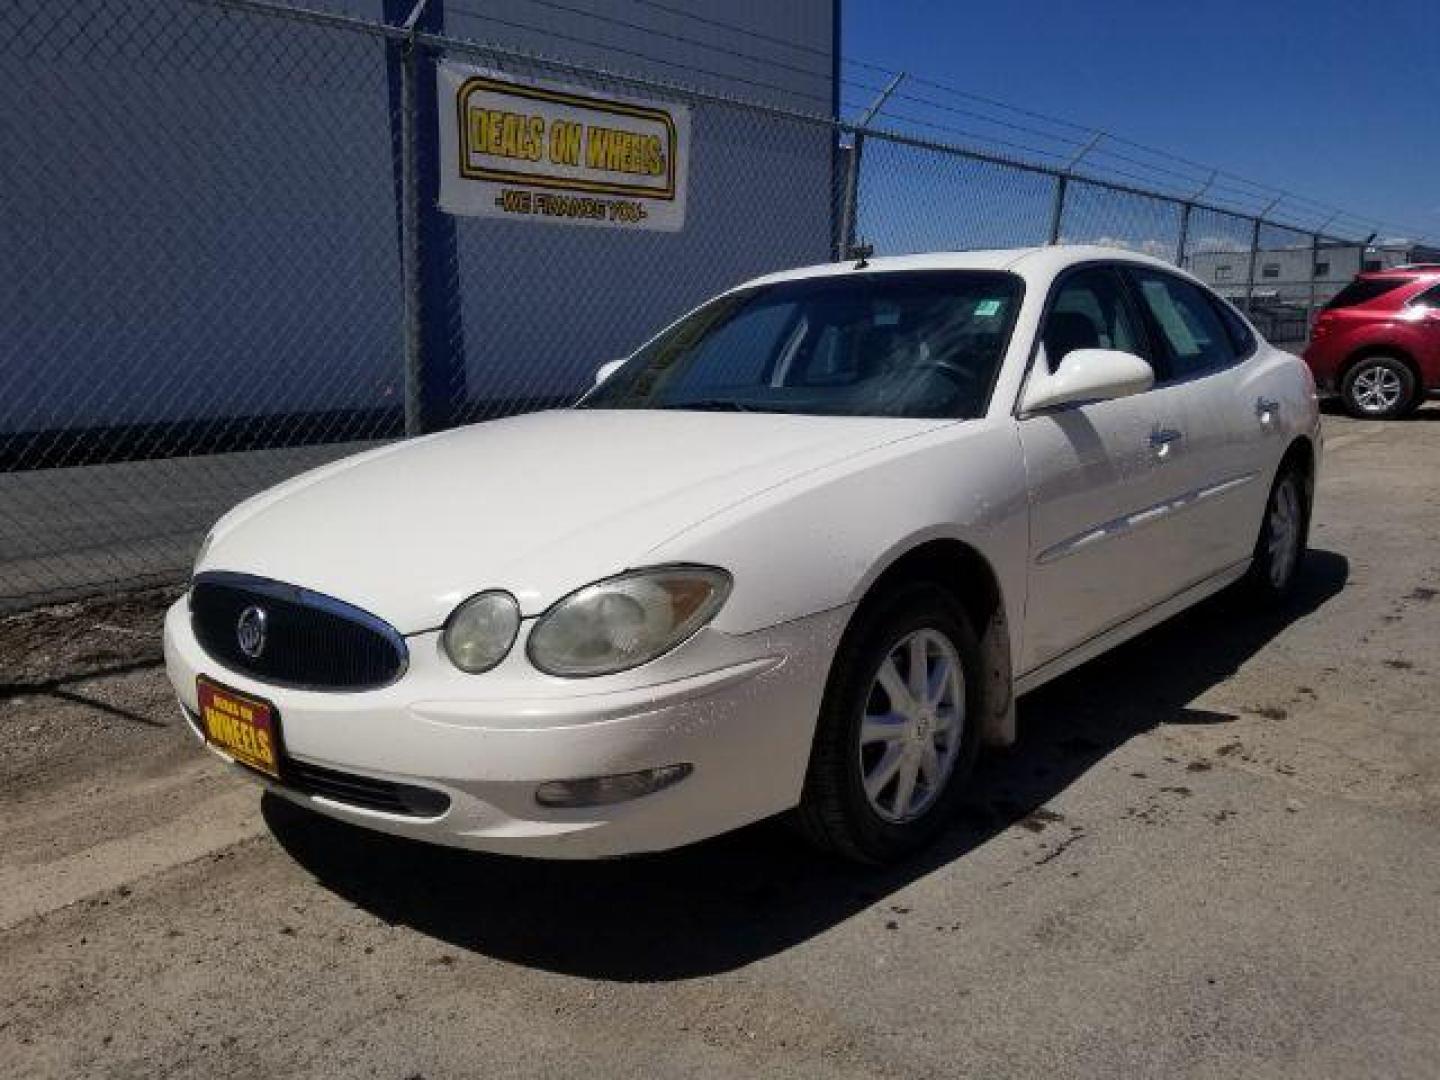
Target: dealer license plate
<point x="246" y="728"/>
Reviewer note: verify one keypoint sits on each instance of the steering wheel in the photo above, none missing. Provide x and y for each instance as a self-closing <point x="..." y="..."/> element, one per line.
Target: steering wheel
<point x="964" y="376"/>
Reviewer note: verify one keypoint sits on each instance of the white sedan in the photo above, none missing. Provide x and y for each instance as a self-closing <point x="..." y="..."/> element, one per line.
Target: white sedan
<point x="800" y="552"/>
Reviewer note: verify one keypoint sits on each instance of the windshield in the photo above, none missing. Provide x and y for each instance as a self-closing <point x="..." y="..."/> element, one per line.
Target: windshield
<point x="915" y="344"/>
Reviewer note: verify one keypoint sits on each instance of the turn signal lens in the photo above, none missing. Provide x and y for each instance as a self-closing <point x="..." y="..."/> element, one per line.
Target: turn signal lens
<point x="603" y="790"/>
<point x="479" y="632"/>
<point x="625" y="621"/>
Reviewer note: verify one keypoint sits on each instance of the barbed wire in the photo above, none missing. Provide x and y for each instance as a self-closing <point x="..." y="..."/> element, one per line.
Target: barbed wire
<point x="649" y="58"/>
<point x="1208" y="176"/>
<point x="1228" y="191"/>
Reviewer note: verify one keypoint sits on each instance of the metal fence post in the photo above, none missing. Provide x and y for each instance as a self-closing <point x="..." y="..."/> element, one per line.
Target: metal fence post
<point x="1062" y="183"/>
<point x="1184" y="240"/>
<point x="1057" y="209"/>
<point x="1255" y="251"/>
<point x="849" y="211"/>
<point x="410" y="243"/>
<point x="1314" y="289"/>
<point x="1250" y="273"/>
<point x="1186" y="207"/>
<point x="852" y="189"/>
<point x="435" y="358"/>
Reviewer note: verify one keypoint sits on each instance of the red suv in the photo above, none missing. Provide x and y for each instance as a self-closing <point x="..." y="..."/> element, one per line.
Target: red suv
<point x="1377" y="343"/>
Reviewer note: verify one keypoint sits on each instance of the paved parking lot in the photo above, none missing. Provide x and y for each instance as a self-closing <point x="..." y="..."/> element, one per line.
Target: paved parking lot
<point x="1214" y="853"/>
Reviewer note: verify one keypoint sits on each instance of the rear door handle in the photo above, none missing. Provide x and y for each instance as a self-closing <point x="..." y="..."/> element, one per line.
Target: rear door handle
<point x="1161" y="439"/>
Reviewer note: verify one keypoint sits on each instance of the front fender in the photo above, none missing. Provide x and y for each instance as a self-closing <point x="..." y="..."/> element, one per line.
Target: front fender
<point x="819" y="542"/>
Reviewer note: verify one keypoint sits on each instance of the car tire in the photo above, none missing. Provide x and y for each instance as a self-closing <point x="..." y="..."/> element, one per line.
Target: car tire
<point x="1378" y="388"/>
<point x="884" y="823"/>
<point x="1284" y="537"/>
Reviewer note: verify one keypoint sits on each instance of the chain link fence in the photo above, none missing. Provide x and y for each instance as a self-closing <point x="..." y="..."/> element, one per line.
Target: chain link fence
<point x="221" y="266"/>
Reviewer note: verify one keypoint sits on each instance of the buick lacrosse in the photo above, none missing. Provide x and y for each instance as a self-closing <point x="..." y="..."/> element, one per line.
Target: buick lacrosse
<point x="800" y="552"/>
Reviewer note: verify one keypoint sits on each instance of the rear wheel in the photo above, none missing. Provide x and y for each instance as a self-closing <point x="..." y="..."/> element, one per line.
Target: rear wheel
<point x="898" y="731"/>
<point x="1284" y="532"/>
<point x="1378" y="388"/>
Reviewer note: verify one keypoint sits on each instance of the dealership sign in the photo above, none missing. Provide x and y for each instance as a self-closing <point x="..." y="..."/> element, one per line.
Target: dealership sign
<point x="539" y="151"/>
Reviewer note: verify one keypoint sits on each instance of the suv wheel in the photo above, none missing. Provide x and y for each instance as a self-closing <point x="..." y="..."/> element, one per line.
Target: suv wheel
<point x="898" y="731"/>
<point x="1378" y="388"/>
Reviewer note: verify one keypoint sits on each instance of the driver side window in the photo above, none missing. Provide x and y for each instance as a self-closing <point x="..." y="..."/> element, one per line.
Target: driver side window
<point x="1089" y="312"/>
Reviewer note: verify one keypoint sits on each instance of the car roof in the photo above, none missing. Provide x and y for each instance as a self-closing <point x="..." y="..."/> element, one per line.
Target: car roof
<point x="1404" y="273"/>
<point x="1029" y="262"/>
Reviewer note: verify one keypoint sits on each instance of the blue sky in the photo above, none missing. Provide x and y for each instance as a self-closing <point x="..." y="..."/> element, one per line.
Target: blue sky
<point x="1338" y="100"/>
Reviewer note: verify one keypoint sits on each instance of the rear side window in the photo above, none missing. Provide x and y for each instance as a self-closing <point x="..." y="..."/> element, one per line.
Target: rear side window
<point x="1242" y="338"/>
<point x="1362" y="292"/>
<point x="1430" y="298"/>
<point x="1189" y="325"/>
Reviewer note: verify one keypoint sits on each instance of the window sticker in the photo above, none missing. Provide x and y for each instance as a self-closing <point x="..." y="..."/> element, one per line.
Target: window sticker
<point x="987" y="309"/>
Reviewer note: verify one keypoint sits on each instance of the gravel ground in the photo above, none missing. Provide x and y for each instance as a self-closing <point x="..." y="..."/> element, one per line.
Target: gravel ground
<point x="1212" y="854"/>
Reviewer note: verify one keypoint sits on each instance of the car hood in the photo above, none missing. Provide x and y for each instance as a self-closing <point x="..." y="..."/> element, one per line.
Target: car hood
<point x="539" y="504"/>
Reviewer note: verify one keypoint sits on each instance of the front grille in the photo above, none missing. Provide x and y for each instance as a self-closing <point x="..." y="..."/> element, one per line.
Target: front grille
<point x="406" y="800"/>
<point x="308" y="640"/>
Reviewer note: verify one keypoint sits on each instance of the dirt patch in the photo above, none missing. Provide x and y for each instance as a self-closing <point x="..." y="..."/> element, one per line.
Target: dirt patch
<point x="1270" y="712"/>
<point x="1039" y="818"/>
<point x="42" y="648"/>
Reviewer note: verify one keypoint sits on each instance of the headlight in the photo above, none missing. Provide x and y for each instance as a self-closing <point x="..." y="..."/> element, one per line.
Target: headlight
<point x="480" y="631"/>
<point x="626" y="621"/>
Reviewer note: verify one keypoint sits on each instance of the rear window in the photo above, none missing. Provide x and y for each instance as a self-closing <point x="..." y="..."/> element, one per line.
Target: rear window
<point x="1362" y="292"/>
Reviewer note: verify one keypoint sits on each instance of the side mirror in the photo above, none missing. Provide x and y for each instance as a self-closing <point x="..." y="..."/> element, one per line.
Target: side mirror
<point x="606" y="370"/>
<point x="1088" y="375"/>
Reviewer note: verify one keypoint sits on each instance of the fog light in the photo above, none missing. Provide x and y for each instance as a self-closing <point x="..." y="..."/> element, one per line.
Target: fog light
<point x="603" y="790"/>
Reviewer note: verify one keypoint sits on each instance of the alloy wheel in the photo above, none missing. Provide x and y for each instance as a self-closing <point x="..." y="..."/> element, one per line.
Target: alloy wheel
<point x="1286" y="526"/>
<point x="1377" y="389"/>
<point x="911" y="731"/>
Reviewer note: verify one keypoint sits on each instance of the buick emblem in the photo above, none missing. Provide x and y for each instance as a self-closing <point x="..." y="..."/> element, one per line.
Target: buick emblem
<point x="250" y="632"/>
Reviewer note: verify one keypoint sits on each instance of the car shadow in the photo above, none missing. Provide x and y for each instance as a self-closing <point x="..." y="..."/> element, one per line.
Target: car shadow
<point x="719" y="905"/>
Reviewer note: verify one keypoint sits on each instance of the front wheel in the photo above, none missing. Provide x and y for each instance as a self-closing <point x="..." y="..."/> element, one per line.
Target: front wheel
<point x="898" y="730"/>
<point x="1378" y="388"/>
<point x="1284" y="532"/>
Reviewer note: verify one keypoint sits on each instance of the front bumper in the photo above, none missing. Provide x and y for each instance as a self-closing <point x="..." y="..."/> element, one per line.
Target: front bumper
<point x="740" y="710"/>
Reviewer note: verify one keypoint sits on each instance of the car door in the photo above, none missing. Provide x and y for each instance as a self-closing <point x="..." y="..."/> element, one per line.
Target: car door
<point x="1100" y="475"/>
<point x="1228" y="419"/>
